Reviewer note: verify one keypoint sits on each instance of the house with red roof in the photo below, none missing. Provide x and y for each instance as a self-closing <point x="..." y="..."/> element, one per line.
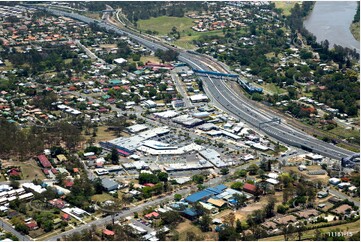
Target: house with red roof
<point x="108" y="232"/>
<point x="58" y="203"/>
<point x="44" y="161"/>
<point x="32" y="225"/>
<point x="148" y="185"/>
<point x="14" y="172"/>
<point x="250" y="188"/>
<point x="152" y="215"/>
<point x="68" y="183"/>
<point x="65" y="217"/>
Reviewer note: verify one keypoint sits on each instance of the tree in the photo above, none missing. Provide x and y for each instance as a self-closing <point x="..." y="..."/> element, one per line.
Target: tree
<point x="300" y="228"/>
<point x="240" y="200"/>
<point x="115" y="157"/>
<point x="224" y="171"/>
<point x="171" y="218"/>
<point x="253" y="168"/>
<point x="282" y="209"/>
<point x="205" y="222"/>
<point x="228" y="233"/>
<point x="148" y="178"/>
<point x="198" y="179"/>
<point x="229" y="219"/>
<point x="269" y="209"/>
<point x="287" y="231"/>
<point x="163" y="176"/>
<point x="239" y="228"/>
<point x="177" y="197"/>
<point x="237" y="186"/>
<point x="191" y="236"/>
<point x="15" y="184"/>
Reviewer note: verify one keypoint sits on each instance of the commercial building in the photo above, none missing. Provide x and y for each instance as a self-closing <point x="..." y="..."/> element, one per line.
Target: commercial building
<point x="187" y="121"/>
<point x="137" y="128"/>
<point x="205" y="194"/>
<point x="109" y="184"/>
<point x="126" y="146"/>
<point x="213" y="156"/>
<point x="198" y="98"/>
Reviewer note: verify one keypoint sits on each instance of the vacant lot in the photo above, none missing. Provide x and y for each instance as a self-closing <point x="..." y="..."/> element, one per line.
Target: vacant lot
<point x="164" y="24"/>
<point x="102" y="135"/>
<point x="30" y="170"/>
<point x="187" y="226"/>
<point x="323" y="178"/>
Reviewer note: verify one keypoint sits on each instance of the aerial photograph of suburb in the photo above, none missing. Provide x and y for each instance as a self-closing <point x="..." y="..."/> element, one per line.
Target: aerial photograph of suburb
<point x="179" y="120"/>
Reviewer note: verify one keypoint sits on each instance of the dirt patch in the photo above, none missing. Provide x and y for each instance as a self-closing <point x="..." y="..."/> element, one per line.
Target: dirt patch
<point x="187" y="226"/>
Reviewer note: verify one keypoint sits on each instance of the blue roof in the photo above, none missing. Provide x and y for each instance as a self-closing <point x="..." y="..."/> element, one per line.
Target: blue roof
<point x="195" y="197"/>
<point x="190" y="211"/>
<point x="218" y="189"/>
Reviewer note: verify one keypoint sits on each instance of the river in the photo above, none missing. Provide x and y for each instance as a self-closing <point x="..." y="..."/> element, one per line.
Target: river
<point x="331" y="21"/>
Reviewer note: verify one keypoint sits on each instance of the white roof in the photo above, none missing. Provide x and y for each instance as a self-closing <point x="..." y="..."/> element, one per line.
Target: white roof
<point x="272" y="181"/>
<point x="273" y="175"/>
<point x="120" y="60"/>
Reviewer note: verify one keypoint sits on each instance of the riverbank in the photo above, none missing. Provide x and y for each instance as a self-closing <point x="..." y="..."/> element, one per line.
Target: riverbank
<point x="355" y="30"/>
<point x="332" y="21"/>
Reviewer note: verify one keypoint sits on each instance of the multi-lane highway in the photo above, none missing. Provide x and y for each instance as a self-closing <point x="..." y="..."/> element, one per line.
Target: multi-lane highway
<point x="231" y="101"/>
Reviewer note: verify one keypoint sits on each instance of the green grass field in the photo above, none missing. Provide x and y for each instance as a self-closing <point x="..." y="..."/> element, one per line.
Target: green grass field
<point x="30" y="170"/>
<point x="286" y="6"/>
<point x="164" y="24"/>
<point x="271" y="87"/>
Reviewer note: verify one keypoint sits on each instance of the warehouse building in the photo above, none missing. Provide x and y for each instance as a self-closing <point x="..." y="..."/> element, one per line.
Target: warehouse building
<point x="213" y="156"/>
<point x="127" y="145"/>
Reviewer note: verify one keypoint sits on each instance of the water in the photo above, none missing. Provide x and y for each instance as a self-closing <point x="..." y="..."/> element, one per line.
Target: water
<point x="331" y="21"/>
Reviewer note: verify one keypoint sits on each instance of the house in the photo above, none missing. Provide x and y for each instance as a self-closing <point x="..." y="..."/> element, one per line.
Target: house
<point x="210" y="208"/>
<point x="343" y="209"/>
<point x="269" y="225"/>
<point x="334" y="181"/>
<point x="61" y="158"/>
<point x="108" y="232"/>
<point x="58" y="203"/>
<point x="65" y="217"/>
<point x="286" y="219"/>
<point x="250" y="188"/>
<point x="217" y="202"/>
<point x="307" y="213"/>
<point x="44" y="161"/>
<point x="334" y="200"/>
<point x="68" y="183"/>
<point x="322" y="194"/>
<point x="190" y="213"/>
<point x="109" y="184"/>
<point x="32" y="225"/>
<point x="152" y="215"/>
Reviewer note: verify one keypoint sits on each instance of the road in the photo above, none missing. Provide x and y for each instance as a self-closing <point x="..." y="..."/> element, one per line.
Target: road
<point x="343" y="196"/>
<point x="89" y="53"/>
<point x="180" y="89"/>
<point x="231" y="101"/>
<point x="139" y="208"/>
<point x="9" y="228"/>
